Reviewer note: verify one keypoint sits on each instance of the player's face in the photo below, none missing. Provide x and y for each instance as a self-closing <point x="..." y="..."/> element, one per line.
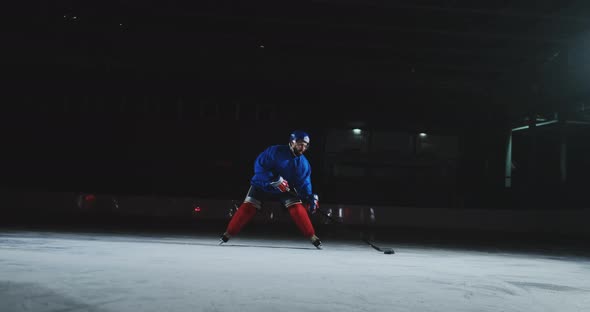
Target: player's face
<point x="299" y="147"/>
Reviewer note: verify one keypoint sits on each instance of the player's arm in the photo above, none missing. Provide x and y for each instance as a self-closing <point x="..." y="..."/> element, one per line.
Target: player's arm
<point x="305" y="189"/>
<point x="264" y="173"/>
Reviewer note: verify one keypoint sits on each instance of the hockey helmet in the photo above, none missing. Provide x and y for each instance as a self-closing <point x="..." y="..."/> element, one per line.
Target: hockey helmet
<point x="299" y="135"/>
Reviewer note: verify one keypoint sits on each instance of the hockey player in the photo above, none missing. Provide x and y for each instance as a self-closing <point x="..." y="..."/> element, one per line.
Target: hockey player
<point x="276" y="170"/>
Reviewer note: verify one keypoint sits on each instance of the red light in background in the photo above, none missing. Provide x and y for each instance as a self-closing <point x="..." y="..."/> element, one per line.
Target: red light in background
<point x="197" y="209"/>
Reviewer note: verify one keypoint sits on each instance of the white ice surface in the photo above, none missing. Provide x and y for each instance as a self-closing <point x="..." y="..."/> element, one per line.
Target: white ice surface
<point x="52" y="271"/>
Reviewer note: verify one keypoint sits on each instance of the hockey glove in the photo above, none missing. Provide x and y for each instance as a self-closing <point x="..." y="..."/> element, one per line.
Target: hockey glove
<point x="313" y="203"/>
<point x="281" y="184"/>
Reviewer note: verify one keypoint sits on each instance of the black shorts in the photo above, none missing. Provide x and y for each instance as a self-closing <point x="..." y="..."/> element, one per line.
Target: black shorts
<point x="257" y="197"/>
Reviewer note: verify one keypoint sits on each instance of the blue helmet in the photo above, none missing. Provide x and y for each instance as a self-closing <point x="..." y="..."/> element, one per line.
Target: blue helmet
<point x="299" y="135"/>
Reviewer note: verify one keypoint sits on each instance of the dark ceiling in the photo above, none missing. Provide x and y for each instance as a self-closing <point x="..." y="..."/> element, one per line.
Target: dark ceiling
<point x="448" y="57"/>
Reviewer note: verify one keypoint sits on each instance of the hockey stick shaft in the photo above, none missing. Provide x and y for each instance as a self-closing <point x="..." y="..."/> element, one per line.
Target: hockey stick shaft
<point x="294" y="192"/>
<point x="323" y="213"/>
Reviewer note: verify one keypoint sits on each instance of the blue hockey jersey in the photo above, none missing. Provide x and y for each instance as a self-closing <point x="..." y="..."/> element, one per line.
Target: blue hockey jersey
<point x="278" y="160"/>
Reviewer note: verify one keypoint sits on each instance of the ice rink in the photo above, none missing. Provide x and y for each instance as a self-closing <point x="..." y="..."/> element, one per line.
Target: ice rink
<point x="110" y="271"/>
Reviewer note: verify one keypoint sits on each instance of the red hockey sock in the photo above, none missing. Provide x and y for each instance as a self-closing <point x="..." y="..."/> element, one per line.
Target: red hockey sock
<point x="299" y="215"/>
<point x="242" y="216"/>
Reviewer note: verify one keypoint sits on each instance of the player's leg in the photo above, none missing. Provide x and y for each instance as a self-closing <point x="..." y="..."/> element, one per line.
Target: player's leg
<point x="245" y="213"/>
<point x="299" y="214"/>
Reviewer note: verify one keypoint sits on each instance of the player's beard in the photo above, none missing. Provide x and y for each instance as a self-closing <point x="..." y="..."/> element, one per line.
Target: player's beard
<point x="297" y="152"/>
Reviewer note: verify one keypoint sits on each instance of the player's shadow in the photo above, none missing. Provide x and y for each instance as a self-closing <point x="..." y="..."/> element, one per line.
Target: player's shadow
<point x="268" y="246"/>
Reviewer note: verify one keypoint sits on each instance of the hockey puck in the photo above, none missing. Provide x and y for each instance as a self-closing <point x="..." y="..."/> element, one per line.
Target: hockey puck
<point x="388" y="252"/>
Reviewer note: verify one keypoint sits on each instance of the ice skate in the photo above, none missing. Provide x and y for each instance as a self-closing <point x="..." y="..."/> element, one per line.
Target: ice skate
<point x="224" y="238"/>
<point x="316" y="242"/>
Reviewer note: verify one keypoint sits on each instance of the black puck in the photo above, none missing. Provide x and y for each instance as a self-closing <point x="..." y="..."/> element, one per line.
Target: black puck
<point x="388" y="252"/>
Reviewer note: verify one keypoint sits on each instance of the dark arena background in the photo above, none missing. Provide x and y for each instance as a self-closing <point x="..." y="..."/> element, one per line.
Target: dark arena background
<point x="455" y="132"/>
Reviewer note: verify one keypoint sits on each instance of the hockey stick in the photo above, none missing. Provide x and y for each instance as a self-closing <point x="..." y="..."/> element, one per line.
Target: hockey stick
<point x="387" y="251"/>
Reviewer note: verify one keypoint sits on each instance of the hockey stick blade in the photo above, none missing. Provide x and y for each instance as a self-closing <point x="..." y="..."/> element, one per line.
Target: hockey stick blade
<point x="387" y="251"/>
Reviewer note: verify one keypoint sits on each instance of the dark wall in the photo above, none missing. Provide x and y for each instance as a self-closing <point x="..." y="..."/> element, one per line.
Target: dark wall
<point x="107" y="153"/>
<point x="150" y="145"/>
